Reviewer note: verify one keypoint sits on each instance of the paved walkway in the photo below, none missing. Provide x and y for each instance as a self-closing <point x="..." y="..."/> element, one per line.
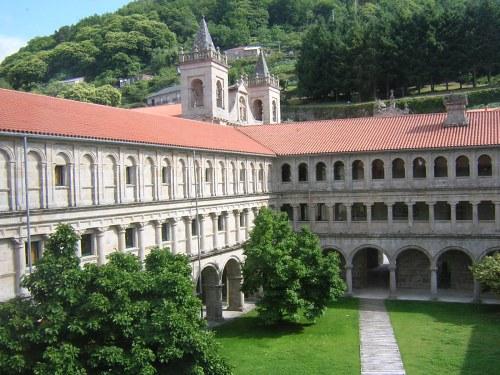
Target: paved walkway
<point x="379" y="350"/>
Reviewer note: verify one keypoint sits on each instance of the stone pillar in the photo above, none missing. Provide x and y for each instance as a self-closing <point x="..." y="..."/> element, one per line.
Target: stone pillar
<point x="158" y="240"/>
<point x="296" y="214"/>
<point x="247" y="224"/>
<point x="189" y="235"/>
<point x="215" y="230"/>
<point x="410" y="214"/>
<point x="389" y="215"/>
<point x="214" y="302"/>
<point x="237" y="225"/>
<point x="19" y="249"/>
<point x="348" y="209"/>
<point x="477" y="291"/>
<point x="227" y="231"/>
<point x="432" y="221"/>
<point x="140" y="240"/>
<point x="331" y="211"/>
<point x="369" y="214"/>
<point x="78" y="247"/>
<point x="392" y="281"/>
<point x="71" y="185"/>
<point x="475" y="216"/>
<point x="453" y="205"/>
<point x="434" y="286"/>
<point x="312" y="214"/>
<point x="201" y="234"/>
<point x="121" y="237"/>
<point x="348" y="279"/>
<point x="235" y="298"/>
<point x="173" y="228"/>
<point x="497" y="216"/>
<point x="101" y="257"/>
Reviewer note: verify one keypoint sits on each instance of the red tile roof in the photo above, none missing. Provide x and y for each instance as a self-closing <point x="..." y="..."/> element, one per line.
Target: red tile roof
<point x="23" y="112"/>
<point x="162" y="110"/>
<point x="377" y="134"/>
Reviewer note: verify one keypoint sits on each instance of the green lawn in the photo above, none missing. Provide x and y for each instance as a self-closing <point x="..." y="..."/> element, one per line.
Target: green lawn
<point x="331" y="346"/>
<point x="447" y="338"/>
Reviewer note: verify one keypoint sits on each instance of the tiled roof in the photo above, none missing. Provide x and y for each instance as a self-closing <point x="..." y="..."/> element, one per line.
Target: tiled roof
<point x="377" y="134"/>
<point x="162" y="110"/>
<point x="37" y="114"/>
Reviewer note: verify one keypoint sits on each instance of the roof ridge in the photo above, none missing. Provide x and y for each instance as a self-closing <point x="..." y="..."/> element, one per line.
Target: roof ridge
<point x="253" y="139"/>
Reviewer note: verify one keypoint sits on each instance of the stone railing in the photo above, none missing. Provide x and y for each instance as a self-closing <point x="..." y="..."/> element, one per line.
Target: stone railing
<point x="205" y="55"/>
<point x="264" y="81"/>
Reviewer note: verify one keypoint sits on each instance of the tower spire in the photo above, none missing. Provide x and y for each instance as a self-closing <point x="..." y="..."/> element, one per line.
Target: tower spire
<point x="203" y="39"/>
<point x="261" y="69"/>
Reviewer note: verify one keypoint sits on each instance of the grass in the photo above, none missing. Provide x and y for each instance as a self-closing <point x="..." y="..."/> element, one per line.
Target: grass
<point x="447" y="338"/>
<point x="331" y="346"/>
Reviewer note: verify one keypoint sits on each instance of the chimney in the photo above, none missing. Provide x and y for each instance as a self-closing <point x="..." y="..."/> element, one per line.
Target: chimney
<point x="456" y="110"/>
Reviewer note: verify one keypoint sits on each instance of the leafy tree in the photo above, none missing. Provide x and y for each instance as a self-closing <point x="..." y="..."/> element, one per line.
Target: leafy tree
<point x="83" y="92"/>
<point x="295" y="276"/>
<point x="488" y="272"/>
<point x="110" y="319"/>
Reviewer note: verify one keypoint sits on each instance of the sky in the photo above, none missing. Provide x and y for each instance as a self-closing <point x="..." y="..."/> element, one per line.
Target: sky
<point x="21" y="20"/>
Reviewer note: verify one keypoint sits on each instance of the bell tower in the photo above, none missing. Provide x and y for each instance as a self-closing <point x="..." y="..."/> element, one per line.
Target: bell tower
<point x="204" y="79"/>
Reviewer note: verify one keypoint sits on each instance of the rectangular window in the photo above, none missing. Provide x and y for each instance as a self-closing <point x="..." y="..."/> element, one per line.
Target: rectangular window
<point x="220" y="223"/>
<point x="60" y="175"/>
<point x="86" y="245"/>
<point x="340" y="212"/>
<point x="194" y="227"/>
<point x="358" y="212"/>
<point x="130" y="175"/>
<point x="242" y="219"/>
<point x="165" y="232"/>
<point x="164" y="175"/>
<point x="321" y="212"/>
<point x="242" y="175"/>
<point x="130" y="238"/>
<point x="486" y="211"/>
<point x="36" y="252"/>
<point x="442" y="211"/>
<point x="304" y="212"/>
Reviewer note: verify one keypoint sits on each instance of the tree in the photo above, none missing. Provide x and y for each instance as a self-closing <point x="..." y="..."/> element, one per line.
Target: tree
<point x="110" y="319"/>
<point x="295" y="276"/>
<point x="488" y="272"/>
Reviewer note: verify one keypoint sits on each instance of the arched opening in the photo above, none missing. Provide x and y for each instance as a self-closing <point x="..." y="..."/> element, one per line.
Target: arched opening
<point x="398" y="168"/>
<point x="210" y="293"/>
<point x="258" y="109"/>
<point x="251" y="179"/>
<point x="358" y="212"/>
<point x="5" y="182"/>
<point x="339" y="212"/>
<point x="219" y="95"/>
<point x="197" y="93"/>
<point x="442" y="211"/>
<point x="231" y="286"/>
<point x="413" y="270"/>
<point x="453" y="272"/>
<point x="243" y="178"/>
<point x="338" y="171"/>
<point x="341" y="258"/>
<point x="320" y="171"/>
<point x="303" y="172"/>
<point x="286" y="173"/>
<point x="110" y="181"/>
<point x="358" y="170"/>
<point x="440" y="167"/>
<point x="166" y="179"/>
<point x="243" y="109"/>
<point x="130" y="179"/>
<point x="370" y="269"/>
<point x="419" y="169"/>
<point x="62" y="180"/>
<point x="378" y="169"/>
<point x="261" y="178"/>
<point x="379" y="211"/>
<point x="464" y="211"/>
<point x="462" y="168"/>
<point x="486" y="211"/>
<point x="149" y="180"/>
<point x="181" y="178"/>
<point x="484" y="167"/>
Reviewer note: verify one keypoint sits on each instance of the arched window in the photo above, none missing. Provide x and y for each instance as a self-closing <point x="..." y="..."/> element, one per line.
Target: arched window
<point x="398" y="168"/>
<point x="340" y="212"/>
<point x="275" y="111"/>
<point x="379" y="211"/>
<point x="486" y="211"/>
<point x="257" y="109"/>
<point x="338" y="171"/>
<point x="243" y="109"/>
<point x="219" y="95"/>
<point x="358" y="212"/>
<point x="442" y="211"/>
<point x="243" y="179"/>
<point x="181" y="179"/>
<point x="5" y="181"/>
<point x="86" y="180"/>
<point x="440" y="167"/>
<point x="261" y="177"/>
<point x="166" y="178"/>
<point x="233" y="180"/>
<point x="303" y="172"/>
<point x="251" y="179"/>
<point x="209" y="178"/>
<point x="320" y="171"/>
<point x="62" y="180"/>
<point x="221" y="179"/>
<point x="400" y="211"/>
<point x="484" y="167"/>
<point x="378" y="170"/>
<point x="358" y="170"/>
<point x="130" y="179"/>
<point x="197" y="93"/>
<point x="419" y="169"/>
<point x="462" y="167"/>
<point x="149" y="179"/>
<point x="110" y="179"/>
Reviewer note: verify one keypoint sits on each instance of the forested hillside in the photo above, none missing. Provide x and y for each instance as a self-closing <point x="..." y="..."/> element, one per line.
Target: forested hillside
<point x="321" y="48"/>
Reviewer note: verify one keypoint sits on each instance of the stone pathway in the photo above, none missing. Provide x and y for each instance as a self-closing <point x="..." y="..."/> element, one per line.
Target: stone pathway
<point x="379" y="350"/>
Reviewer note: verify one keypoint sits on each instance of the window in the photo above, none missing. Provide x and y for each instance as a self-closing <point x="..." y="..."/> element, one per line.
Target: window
<point x="194" y="227"/>
<point x="419" y="169"/>
<point x="378" y="170"/>
<point x="440" y="167"/>
<point x="400" y="211"/>
<point x="379" y="211"/>
<point x="242" y="175"/>
<point x="303" y="172"/>
<point x="320" y="171"/>
<point x="288" y="210"/>
<point x="60" y="175"/>
<point x="242" y="219"/>
<point x="165" y="175"/>
<point x="462" y="167"/>
<point x="130" y="238"/>
<point x="338" y="171"/>
<point x="358" y="212"/>
<point x="219" y="95"/>
<point x="421" y="211"/>
<point x="340" y="212"/>
<point x="208" y="174"/>
<point x="197" y="93"/>
<point x="304" y="212"/>
<point x="442" y="211"/>
<point x="258" y="109"/>
<point x="321" y="212"/>
<point x="486" y="211"/>
<point x="275" y="111"/>
<point x="87" y="245"/>
<point x="130" y="175"/>
<point x="464" y="211"/>
<point x="286" y="173"/>
<point x="165" y="232"/>
<point x="484" y="167"/>
<point x="36" y="252"/>
<point x="220" y="223"/>
<point x="358" y="170"/>
<point x="398" y="168"/>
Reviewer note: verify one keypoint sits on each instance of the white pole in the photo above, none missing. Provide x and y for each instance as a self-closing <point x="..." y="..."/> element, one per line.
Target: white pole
<point x="28" y="222"/>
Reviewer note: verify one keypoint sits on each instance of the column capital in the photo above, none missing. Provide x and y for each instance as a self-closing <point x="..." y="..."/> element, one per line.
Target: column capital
<point x="213" y="215"/>
<point x="202" y="217"/>
<point x="236" y="211"/>
<point x="121" y="227"/>
<point x="433" y="268"/>
<point x="157" y="222"/>
<point x="18" y="242"/>
<point x="100" y="231"/>
<point x="392" y="267"/>
<point x="173" y="220"/>
<point x="187" y="218"/>
<point x="140" y="225"/>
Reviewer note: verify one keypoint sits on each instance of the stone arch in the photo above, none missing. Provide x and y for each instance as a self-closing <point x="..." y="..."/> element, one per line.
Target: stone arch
<point x="231" y="284"/>
<point x="62" y="179"/>
<point x="197" y="93"/>
<point x="358" y="170"/>
<point x="413" y="264"/>
<point x="398" y="168"/>
<point x="87" y="181"/>
<point x="370" y="267"/>
<point x="166" y="177"/>
<point x="338" y="171"/>
<point x="462" y="166"/>
<point x="487" y="252"/>
<point x="440" y="167"/>
<point x="258" y="109"/>
<point x="131" y="178"/>
<point x="221" y="178"/>
<point x="149" y="178"/>
<point x="209" y="176"/>
<point x="419" y="168"/>
<point x="378" y="172"/>
<point x="453" y="271"/>
<point x="110" y="178"/>
<point x="286" y="172"/>
<point x="209" y="290"/>
<point x="181" y="171"/>
<point x="484" y="166"/>
<point x="320" y="171"/>
<point x="303" y="172"/>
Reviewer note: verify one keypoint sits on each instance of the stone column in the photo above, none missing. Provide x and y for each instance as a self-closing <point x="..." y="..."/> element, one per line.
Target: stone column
<point x="201" y="234"/>
<point x="296" y="214"/>
<point x="312" y="214"/>
<point x="20" y="256"/>
<point x="477" y="291"/>
<point x="101" y="257"/>
<point x="348" y="279"/>
<point x="189" y="235"/>
<point x="247" y="224"/>
<point x="432" y="221"/>
<point x="392" y="280"/>
<point x="348" y="209"/>
<point x="158" y="240"/>
<point x="497" y="216"/>
<point x="236" y="214"/>
<point x="434" y="286"/>
<point x="78" y="246"/>
<point x="410" y="214"/>
<point x="214" y="302"/>
<point x="227" y="231"/>
<point x="453" y="205"/>
<point x="140" y="240"/>
<point x="389" y="215"/>
<point x="71" y="185"/>
<point x="173" y="239"/>
<point x="121" y="237"/>
<point x="215" y="230"/>
<point x="235" y="297"/>
<point x="475" y="216"/>
<point x="331" y="211"/>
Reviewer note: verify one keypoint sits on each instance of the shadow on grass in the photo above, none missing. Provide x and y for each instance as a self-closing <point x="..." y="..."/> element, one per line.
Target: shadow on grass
<point x="482" y="354"/>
